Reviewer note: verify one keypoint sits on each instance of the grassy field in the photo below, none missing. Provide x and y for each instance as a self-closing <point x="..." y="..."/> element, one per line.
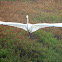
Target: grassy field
<point x="15" y="43"/>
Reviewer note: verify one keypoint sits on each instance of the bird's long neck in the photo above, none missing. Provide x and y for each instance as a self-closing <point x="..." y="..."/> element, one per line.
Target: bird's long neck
<point x="27" y="22"/>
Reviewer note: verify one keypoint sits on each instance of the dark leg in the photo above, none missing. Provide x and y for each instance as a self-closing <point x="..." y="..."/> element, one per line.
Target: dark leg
<point x="31" y="36"/>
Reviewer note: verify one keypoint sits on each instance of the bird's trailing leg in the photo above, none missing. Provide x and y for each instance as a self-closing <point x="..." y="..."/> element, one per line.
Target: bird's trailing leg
<point x="31" y="36"/>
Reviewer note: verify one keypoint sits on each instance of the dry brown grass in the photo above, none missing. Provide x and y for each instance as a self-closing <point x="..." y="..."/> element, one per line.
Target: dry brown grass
<point x="16" y="11"/>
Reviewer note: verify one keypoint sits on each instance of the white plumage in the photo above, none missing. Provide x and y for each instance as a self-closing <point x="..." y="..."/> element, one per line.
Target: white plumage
<point x="31" y="27"/>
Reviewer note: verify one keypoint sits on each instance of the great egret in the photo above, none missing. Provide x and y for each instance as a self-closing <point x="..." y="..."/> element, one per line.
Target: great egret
<point x="31" y="27"/>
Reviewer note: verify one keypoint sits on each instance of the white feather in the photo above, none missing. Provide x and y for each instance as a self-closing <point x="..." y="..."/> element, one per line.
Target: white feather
<point x="31" y="27"/>
<point x="18" y="25"/>
<point x="43" y="25"/>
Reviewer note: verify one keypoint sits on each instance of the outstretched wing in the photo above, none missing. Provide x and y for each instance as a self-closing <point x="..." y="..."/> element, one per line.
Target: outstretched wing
<point x="43" y="25"/>
<point x="18" y="25"/>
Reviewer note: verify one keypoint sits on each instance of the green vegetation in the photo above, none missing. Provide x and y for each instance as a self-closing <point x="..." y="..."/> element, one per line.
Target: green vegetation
<point x="44" y="48"/>
<point x="15" y="43"/>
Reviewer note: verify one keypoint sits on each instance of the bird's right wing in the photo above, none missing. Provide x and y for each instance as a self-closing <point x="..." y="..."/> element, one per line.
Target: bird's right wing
<point x="43" y="25"/>
<point x="18" y="25"/>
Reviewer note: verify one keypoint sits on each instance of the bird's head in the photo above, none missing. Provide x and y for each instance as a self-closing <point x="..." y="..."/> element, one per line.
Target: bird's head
<point x="26" y="16"/>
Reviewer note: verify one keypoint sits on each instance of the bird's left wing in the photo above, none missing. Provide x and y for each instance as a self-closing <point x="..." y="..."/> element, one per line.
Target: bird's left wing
<point x="43" y="25"/>
<point x="18" y="25"/>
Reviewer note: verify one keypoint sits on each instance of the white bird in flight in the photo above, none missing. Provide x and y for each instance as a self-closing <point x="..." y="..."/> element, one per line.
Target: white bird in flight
<point x="31" y="27"/>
